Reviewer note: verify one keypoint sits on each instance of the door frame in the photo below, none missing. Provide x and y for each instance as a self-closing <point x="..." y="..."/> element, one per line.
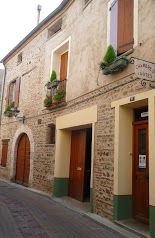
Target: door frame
<point x="23" y="129"/>
<point x="137" y="123"/>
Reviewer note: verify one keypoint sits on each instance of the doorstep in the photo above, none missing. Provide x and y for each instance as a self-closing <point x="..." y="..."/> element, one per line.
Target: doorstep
<point x="83" y="209"/>
<point x="135" y="226"/>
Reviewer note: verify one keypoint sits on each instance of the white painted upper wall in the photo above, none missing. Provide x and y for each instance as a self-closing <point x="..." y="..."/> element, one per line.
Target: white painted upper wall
<point x="87" y="30"/>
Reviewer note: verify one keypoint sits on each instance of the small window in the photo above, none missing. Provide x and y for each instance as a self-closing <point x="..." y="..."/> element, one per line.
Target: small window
<point x="55" y="28"/>
<point x="19" y="58"/>
<point x="4" y="152"/>
<point x="51" y="134"/>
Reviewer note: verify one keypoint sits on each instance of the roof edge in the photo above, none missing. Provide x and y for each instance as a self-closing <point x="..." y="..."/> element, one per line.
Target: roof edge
<point x="42" y="23"/>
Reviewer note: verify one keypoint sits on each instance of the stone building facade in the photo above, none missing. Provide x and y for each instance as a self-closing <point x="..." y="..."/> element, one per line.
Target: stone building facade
<point x="98" y="107"/>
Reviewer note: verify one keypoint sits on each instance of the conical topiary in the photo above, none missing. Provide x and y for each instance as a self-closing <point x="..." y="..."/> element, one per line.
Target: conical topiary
<point x="53" y="75"/>
<point x="110" y="55"/>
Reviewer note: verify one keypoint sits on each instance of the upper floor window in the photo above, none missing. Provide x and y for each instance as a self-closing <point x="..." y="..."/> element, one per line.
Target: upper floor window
<point x="60" y="63"/>
<point x="55" y="28"/>
<point x="121" y="25"/>
<point x="13" y="90"/>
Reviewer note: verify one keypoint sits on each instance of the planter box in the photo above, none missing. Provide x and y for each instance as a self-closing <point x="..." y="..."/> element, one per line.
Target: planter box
<point x="116" y="66"/>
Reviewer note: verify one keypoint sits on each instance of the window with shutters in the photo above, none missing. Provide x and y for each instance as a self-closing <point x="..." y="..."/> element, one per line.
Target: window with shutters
<point x="4" y="152"/>
<point x="13" y="90"/>
<point x="121" y="25"/>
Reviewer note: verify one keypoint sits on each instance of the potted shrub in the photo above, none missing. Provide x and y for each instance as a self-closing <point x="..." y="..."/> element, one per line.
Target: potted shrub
<point x="112" y="64"/>
<point x="58" y="96"/>
<point x="8" y="112"/>
<point x="53" y="79"/>
<point x="53" y="76"/>
<point x="48" y="102"/>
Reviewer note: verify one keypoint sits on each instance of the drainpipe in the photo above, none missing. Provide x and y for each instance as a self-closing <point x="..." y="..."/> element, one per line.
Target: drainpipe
<point x="2" y="94"/>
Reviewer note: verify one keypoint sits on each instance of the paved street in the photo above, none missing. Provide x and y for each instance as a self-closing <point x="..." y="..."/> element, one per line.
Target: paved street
<point x="27" y="214"/>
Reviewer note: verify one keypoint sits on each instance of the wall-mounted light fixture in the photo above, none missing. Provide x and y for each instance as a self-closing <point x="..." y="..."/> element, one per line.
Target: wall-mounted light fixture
<point x="15" y="112"/>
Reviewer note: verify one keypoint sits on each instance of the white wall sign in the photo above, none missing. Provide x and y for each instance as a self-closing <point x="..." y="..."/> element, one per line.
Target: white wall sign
<point x="142" y="161"/>
<point x="144" y="70"/>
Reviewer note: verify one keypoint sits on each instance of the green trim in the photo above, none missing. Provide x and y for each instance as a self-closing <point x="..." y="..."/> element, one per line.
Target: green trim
<point x="152" y="221"/>
<point x="122" y="207"/>
<point x="91" y="200"/>
<point x="60" y="187"/>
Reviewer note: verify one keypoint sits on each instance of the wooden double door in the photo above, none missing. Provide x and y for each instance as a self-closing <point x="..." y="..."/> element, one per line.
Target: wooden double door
<point x="23" y="161"/>
<point x="80" y="164"/>
<point x="141" y="172"/>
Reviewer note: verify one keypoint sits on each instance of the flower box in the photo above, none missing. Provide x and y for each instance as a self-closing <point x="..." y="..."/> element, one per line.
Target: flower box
<point x="118" y="65"/>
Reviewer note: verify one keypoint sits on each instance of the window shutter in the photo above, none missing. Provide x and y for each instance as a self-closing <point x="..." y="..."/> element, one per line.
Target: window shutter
<point x="64" y="65"/>
<point x="4" y="152"/>
<point x="17" y="90"/>
<point x="113" y="24"/>
<point x="7" y="96"/>
<point x="125" y="26"/>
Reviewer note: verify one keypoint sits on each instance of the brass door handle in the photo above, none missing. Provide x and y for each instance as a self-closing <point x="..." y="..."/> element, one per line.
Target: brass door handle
<point x="79" y="168"/>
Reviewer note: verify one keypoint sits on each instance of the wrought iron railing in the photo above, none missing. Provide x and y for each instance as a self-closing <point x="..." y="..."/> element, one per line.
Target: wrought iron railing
<point x="56" y="91"/>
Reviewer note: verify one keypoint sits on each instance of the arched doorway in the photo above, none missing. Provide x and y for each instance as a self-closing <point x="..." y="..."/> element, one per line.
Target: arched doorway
<point x="23" y="161"/>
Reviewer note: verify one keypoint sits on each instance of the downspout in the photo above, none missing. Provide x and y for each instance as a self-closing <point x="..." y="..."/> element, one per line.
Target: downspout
<point x="2" y="94"/>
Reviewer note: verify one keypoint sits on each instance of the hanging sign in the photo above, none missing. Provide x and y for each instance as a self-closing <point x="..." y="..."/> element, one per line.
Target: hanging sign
<point x="142" y="161"/>
<point x="144" y="69"/>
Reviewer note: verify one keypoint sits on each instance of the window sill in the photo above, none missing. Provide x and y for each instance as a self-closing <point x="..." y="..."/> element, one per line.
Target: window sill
<point x="55" y="106"/>
<point x="129" y="52"/>
<point x="2" y="167"/>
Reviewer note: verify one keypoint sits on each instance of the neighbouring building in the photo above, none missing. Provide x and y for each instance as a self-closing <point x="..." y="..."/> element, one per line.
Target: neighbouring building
<point x="97" y="144"/>
<point x="1" y="86"/>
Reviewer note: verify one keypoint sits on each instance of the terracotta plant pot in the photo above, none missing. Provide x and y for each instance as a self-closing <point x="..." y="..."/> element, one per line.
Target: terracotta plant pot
<point x="49" y="96"/>
<point x="48" y="105"/>
<point x="55" y="101"/>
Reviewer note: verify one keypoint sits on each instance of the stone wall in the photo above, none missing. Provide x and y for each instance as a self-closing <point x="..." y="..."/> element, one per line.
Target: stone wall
<point x="88" y="31"/>
<point x="44" y="154"/>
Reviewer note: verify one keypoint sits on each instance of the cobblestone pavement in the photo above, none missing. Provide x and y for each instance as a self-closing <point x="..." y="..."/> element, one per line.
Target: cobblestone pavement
<point x="27" y="214"/>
